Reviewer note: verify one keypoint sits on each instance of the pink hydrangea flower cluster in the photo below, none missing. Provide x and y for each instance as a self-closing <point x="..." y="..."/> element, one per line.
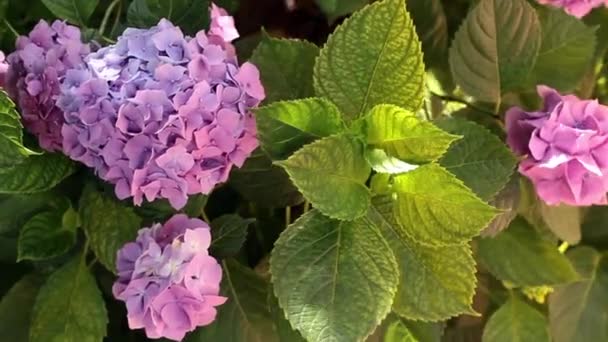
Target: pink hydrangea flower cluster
<point x="577" y="8"/>
<point x="37" y="67"/>
<point x="161" y="115"/>
<point x="167" y="279"/>
<point x="565" y="145"/>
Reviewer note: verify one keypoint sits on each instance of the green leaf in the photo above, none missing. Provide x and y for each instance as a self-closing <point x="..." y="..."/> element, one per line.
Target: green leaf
<point x="161" y="210"/>
<point x="567" y="45"/>
<point x="594" y="227"/>
<point x="284" y="329"/>
<point x="16" y="308"/>
<point x="383" y="163"/>
<point x="578" y="311"/>
<point x="522" y="257"/>
<point x="284" y="127"/>
<point x="331" y="173"/>
<point x="373" y="58"/>
<point x="245" y="316"/>
<point x="507" y="200"/>
<point x="35" y="174"/>
<point x="12" y="150"/>
<point x="265" y="184"/>
<point x="319" y="265"/>
<point x="282" y="78"/>
<point x="336" y="8"/>
<point x="490" y="54"/>
<point x="74" y="11"/>
<point x="44" y="236"/>
<point x="107" y="224"/>
<point x="435" y="208"/>
<point x="563" y="220"/>
<point x="229" y="233"/>
<point x="16" y="210"/>
<point x="190" y="15"/>
<point x="432" y="28"/>
<point x="398" y="332"/>
<point x="401" y="134"/>
<point x="516" y="321"/>
<point x="480" y="159"/>
<point x="69" y="307"/>
<point x="435" y="283"/>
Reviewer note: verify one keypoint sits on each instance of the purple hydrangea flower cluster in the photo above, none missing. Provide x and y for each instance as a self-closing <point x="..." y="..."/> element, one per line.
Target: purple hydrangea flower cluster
<point x="577" y="8"/>
<point x="161" y="115"/>
<point x="3" y="70"/>
<point x="36" y="69"/>
<point x="565" y="145"/>
<point x="167" y="279"/>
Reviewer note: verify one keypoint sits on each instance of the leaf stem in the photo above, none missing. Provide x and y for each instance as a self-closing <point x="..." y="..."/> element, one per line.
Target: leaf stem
<point x="11" y="28"/>
<point x="306" y="206"/>
<point x="287" y="216"/>
<point x="466" y="103"/>
<point x="106" y="16"/>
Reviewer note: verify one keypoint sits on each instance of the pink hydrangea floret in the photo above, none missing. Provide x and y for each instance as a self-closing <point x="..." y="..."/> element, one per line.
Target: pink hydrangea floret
<point x="565" y="145"/>
<point x="36" y="68"/>
<point x="577" y="8"/>
<point x="162" y="115"/>
<point x="167" y="279"/>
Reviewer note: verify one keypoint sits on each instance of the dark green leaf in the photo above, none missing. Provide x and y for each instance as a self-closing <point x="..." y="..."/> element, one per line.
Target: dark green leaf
<point x="373" y="58"/>
<point x="284" y="329"/>
<point x="481" y="160"/>
<point x="45" y="236"/>
<point x="516" y="321"/>
<point x="74" y="11"/>
<point x="16" y="308"/>
<point x="12" y="150"/>
<point x="282" y="78"/>
<point x="265" y="184"/>
<point x="108" y="225"/>
<point x="491" y="54"/>
<point x="35" y="174"/>
<point x="578" y="311"/>
<point x="69" y="307"/>
<point x="522" y="257"/>
<point x="337" y="8"/>
<point x="190" y="15"/>
<point x="432" y="28"/>
<point x="320" y="265"/>
<point x="229" y="233"/>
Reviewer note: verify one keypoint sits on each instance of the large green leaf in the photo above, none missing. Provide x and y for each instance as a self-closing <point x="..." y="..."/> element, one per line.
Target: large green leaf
<point x="108" y="225"/>
<point x="69" y="307"/>
<point x="337" y="8"/>
<point x="373" y="58"/>
<point x="16" y="210"/>
<point x="12" y="151"/>
<point x="495" y="49"/>
<point x="229" y="233"/>
<point x="435" y="208"/>
<point x="403" y="135"/>
<point x="522" y="257"/>
<point x="284" y="329"/>
<point x="398" y="332"/>
<point x="282" y="78"/>
<point x="45" y="236"/>
<point x="190" y="15"/>
<point x="331" y="173"/>
<point x="263" y="183"/>
<point x="567" y="45"/>
<point x="74" y="11"/>
<point x="516" y="321"/>
<point x="245" y="316"/>
<point x="579" y="311"/>
<point x="35" y="174"/>
<point x="435" y="283"/>
<point x="284" y="127"/>
<point x="432" y="28"/>
<point x="563" y="220"/>
<point x="480" y="159"/>
<point x="334" y="279"/>
<point x="16" y="308"/>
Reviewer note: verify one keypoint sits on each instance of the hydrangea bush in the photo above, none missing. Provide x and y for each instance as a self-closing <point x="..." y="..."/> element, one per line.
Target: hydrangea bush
<point x="390" y="170"/>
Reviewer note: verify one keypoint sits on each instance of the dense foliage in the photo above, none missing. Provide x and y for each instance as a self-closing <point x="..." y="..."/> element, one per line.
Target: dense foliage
<point x="328" y="170"/>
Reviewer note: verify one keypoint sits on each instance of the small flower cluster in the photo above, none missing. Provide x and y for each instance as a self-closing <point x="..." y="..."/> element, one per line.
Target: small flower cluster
<point x="565" y="147"/>
<point x="37" y="68"/>
<point x="577" y="8"/>
<point x="167" y="279"/>
<point x="161" y="115"/>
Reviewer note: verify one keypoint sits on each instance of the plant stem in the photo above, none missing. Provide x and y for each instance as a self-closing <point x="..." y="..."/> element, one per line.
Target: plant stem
<point x="306" y="206"/>
<point x="106" y="16"/>
<point x="11" y="28"/>
<point x="468" y="104"/>
<point x="287" y="216"/>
